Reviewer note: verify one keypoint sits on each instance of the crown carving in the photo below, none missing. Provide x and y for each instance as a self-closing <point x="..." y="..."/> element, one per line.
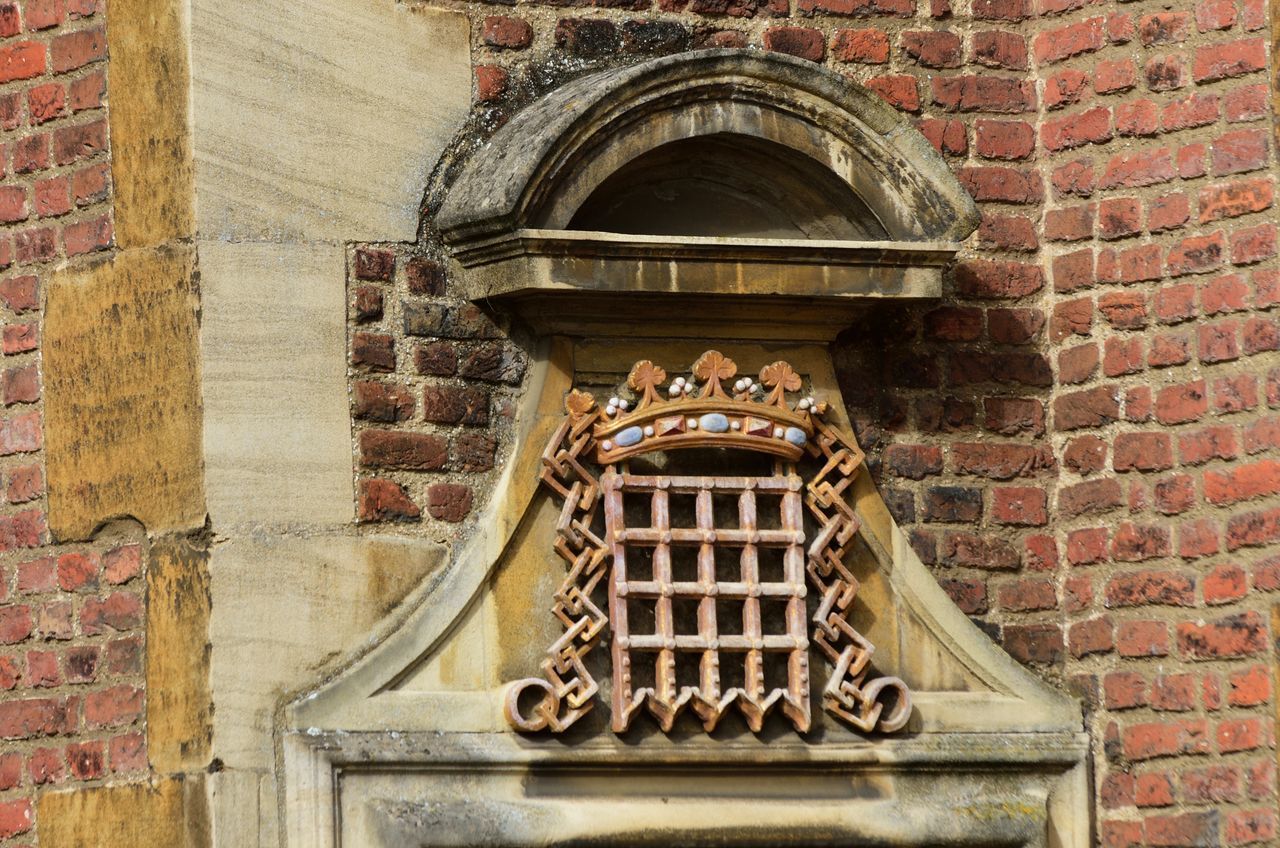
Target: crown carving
<point x="763" y="413"/>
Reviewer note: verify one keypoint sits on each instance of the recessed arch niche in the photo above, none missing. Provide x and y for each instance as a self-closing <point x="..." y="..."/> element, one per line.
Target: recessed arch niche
<point x="755" y="202"/>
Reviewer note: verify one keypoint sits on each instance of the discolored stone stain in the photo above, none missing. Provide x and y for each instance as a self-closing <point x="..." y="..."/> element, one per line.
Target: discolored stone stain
<point x="390" y="578"/>
<point x="122" y="403"/>
<point x="167" y="811"/>
<point x="179" y="697"/>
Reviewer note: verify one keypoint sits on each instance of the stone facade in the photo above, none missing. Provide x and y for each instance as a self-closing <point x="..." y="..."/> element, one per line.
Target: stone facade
<point x="1079" y="438"/>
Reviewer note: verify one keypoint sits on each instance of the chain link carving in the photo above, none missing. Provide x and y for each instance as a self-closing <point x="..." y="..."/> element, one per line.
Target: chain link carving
<point x="849" y="694"/>
<point x="568" y="689"/>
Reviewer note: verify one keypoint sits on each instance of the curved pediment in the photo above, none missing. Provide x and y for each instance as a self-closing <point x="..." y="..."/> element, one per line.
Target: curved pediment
<point x="549" y="161"/>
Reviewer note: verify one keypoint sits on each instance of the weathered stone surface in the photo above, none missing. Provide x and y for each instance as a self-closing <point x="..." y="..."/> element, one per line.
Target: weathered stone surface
<point x="277" y="436"/>
<point x="301" y="135"/>
<point x="151" y="167"/>
<point x="171" y="811"/>
<point x="122" y="405"/>
<point x="282" y="610"/>
<point x="179" y="702"/>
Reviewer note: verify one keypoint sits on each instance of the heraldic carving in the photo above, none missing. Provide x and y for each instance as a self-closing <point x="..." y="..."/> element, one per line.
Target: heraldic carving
<point x="743" y="638"/>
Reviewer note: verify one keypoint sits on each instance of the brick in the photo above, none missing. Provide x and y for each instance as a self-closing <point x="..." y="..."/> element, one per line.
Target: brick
<point x="868" y="46"/>
<point x="1143" y="588"/>
<point x="1014" y="326"/>
<point x="1191" y="161"/>
<point x="1071" y="223"/>
<point x="1230" y="200"/>
<point x="1114" y="76"/>
<point x="506" y="33"/>
<point x="1093" y="126"/>
<point x="1165" y="73"/>
<point x="117" y="706"/>
<point x="1122" y="356"/>
<point x="436" y="359"/>
<point x="1009" y="140"/>
<point x="1239" y="151"/>
<point x="1001" y="10"/>
<point x="454" y="405"/>
<point x="119" y="611"/>
<point x="1211" y="785"/>
<point x="1237" y="635"/>
<point x="968" y="549"/>
<point x="914" y="462"/>
<point x="1215" y="15"/>
<point x="983" y="93"/>
<point x="989" y="279"/>
<point x="1254" y="244"/>
<point x="933" y="48"/>
<point x="128" y="753"/>
<point x="1065" y="87"/>
<point x="1119" y="217"/>
<point x="1124" y="310"/>
<point x="1143" y="452"/>
<point x="34" y="717"/>
<point x="16" y="817"/>
<point x="491" y="83"/>
<point x="1242" y="482"/>
<point x="87" y="236"/>
<point x="1262" y="435"/>
<point x="1248" y="827"/>
<point x="73" y="143"/>
<point x="1073" y="317"/>
<point x="1194" y="110"/>
<point x="1085" y="455"/>
<point x="1147" y="167"/>
<point x="122" y="564"/>
<point x="87" y="92"/>
<point x="952" y="504"/>
<point x="1135" y="543"/>
<point x="494" y="363"/>
<point x="424" y="276"/>
<point x="1183" y="403"/>
<point x="1248" y="103"/>
<point x="382" y="402"/>
<point x="1149" y="740"/>
<point x="1137" y="118"/>
<point x="385" y="500"/>
<point x="472" y="452"/>
<point x="1077" y="364"/>
<point x="1038" y="644"/>
<point x="368" y="304"/>
<point x="406" y="451"/>
<point x="1000" y="461"/>
<point x="950" y="138"/>
<point x="1154" y="790"/>
<point x="997" y="49"/>
<point x="1090" y="408"/>
<point x="587" y="37"/>
<point x="373" y="351"/>
<point x="1090" y="497"/>
<point x="86" y="760"/>
<point x="1092" y="636"/>
<point x="1260" y="334"/>
<point x="1230" y="59"/>
<point x="654" y="36"/>
<point x="1228" y="293"/>
<point x="969" y="595"/>
<point x="899" y="91"/>
<point x="1200" y="446"/>
<point x="1020" y="506"/>
<point x="803" y="42"/>
<point x="78" y="572"/>
<point x="466" y="321"/>
<point x="1004" y="185"/>
<point x="1071" y="40"/>
<point x="1073" y="271"/>
<point x="1124" y="690"/>
<point x="1074" y="178"/>
<point x="1012" y="416"/>
<point x="20" y="338"/>
<point x="1225" y="584"/>
<point x="77" y="49"/>
<point x="1028" y="595"/>
<point x="23" y="60"/>
<point x="448" y="501"/>
<point x="1218" y="342"/>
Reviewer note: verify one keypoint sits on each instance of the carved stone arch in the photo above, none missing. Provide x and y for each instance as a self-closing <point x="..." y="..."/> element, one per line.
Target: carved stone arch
<point x="539" y="169"/>
<point x="409" y="745"/>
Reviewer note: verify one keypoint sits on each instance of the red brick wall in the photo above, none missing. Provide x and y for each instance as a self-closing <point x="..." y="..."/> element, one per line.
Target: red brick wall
<point x="71" y="690"/>
<point x="1081" y="438"/>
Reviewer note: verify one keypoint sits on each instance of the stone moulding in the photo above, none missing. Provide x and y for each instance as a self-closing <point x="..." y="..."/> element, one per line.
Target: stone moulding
<point x="409" y="744"/>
